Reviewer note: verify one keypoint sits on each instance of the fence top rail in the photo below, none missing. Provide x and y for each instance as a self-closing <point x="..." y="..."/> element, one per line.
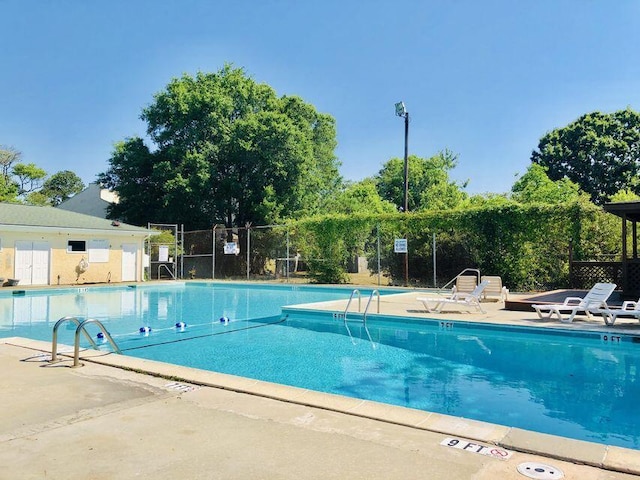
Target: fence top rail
<point x="596" y="262"/>
<point x="252" y="227"/>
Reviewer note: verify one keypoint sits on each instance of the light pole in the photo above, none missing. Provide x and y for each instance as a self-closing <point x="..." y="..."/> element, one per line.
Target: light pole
<point x="401" y="111"/>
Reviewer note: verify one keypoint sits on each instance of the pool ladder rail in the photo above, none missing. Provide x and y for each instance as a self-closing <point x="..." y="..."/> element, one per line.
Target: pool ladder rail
<point x="80" y="328"/>
<point x="355" y="292"/>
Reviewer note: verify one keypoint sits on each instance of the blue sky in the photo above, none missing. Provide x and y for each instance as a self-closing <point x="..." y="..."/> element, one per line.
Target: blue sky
<point x="485" y="79"/>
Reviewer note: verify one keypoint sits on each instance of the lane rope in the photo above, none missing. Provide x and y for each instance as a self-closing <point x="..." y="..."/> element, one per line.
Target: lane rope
<point x="225" y="332"/>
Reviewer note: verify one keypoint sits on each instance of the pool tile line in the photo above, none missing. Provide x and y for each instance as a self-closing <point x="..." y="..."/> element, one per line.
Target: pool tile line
<point x="606" y="457"/>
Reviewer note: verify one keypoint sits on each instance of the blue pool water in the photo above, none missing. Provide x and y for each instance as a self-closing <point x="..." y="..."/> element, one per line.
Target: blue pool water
<point x="582" y="386"/>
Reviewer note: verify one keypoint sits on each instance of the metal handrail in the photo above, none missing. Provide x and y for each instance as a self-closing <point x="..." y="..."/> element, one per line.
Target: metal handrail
<point x="54" y="340"/>
<point x="167" y="269"/>
<point x="366" y="309"/>
<point x="81" y="328"/>
<point x="364" y="315"/>
<point x="349" y="303"/>
<point x="450" y="282"/>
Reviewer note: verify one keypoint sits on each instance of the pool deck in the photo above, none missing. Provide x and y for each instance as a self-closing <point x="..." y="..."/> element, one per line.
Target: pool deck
<point x="119" y="417"/>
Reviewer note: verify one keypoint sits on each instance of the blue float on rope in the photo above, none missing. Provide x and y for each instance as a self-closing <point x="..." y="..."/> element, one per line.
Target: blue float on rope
<point x="224" y="320"/>
<point x="145" y="330"/>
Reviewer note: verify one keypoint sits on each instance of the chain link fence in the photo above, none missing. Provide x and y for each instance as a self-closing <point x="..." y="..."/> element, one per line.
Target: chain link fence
<point x="281" y="253"/>
<point x="527" y="246"/>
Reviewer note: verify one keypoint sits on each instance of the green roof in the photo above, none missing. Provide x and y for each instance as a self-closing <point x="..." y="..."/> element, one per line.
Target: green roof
<point x="48" y="217"/>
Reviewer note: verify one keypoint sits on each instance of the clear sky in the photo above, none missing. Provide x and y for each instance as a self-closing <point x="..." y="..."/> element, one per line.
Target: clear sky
<point x="484" y="78"/>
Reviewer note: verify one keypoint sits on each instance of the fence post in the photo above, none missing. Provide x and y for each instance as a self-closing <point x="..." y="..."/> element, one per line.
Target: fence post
<point x="286" y="262"/>
<point x="571" y="273"/>
<point x="181" y="251"/>
<point x="248" y="225"/>
<point x="213" y="254"/>
<point x="378" y="235"/>
<point x="435" y="281"/>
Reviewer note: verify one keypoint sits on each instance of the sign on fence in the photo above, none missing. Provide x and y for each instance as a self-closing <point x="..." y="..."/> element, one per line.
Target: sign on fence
<point x="400" y="245"/>
<point x="231" y="248"/>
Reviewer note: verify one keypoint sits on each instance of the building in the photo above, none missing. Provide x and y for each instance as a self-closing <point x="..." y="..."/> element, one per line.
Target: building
<point x="93" y="200"/>
<point x="52" y="246"/>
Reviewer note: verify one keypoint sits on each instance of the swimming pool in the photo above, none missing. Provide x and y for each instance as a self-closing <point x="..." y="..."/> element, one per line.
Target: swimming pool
<point x="576" y="384"/>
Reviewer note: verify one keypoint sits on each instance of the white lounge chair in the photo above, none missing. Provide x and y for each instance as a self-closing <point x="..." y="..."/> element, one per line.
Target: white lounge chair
<point x="629" y="308"/>
<point x="495" y="289"/>
<point x="465" y="284"/>
<point x="595" y="298"/>
<point x="465" y="301"/>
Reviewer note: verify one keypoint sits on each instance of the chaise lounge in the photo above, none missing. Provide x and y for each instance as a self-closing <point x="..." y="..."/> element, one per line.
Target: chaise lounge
<point x="465" y="301"/>
<point x="629" y="308"/>
<point x="495" y="289"/>
<point x="596" y="298"/>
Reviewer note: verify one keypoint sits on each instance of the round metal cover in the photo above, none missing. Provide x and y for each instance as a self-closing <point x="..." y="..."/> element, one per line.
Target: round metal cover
<point x="540" y="471"/>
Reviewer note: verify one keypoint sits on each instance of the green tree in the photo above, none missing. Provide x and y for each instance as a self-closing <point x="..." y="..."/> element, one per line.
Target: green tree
<point x="598" y="151"/>
<point x="535" y="186"/>
<point x="61" y="186"/>
<point x="8" y="187"/>
<point x="625" y="196"/>
<point x="429" y="188"/>
<point x="36" y="198"/>
<point x="132" y="172"/>
<point x="228" y="150"/>
<point x="28" y="183"/>
<point x="29" y="177"/>
<point x="8" y="157"/>
<point x="359" y="197"/>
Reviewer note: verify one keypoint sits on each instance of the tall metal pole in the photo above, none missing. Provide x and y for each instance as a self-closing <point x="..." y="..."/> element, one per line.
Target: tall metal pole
<point x="401" y="111"/>
<point x="406" y="190"/>
<point x="406" y="162"/>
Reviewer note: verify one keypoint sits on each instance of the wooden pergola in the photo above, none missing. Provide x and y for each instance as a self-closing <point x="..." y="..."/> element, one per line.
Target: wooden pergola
<point x="629" y="212"/>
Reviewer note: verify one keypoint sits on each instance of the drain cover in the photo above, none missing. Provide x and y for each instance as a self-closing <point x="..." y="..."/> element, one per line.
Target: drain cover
<point x="540" y="471"/>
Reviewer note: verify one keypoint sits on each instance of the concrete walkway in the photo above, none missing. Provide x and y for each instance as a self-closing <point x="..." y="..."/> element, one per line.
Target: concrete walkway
<point x="108" y="420"/>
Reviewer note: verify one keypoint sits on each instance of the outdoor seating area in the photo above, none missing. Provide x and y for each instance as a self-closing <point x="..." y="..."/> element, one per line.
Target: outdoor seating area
<point x="595" y="299"/>
<point x="467" y="293"/>
<point x="466" y="296"/>
<point x="459" y="299"/>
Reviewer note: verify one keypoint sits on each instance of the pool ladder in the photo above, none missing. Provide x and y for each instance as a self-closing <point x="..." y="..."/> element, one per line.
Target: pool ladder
<point x="80" y="328"/>
<point x="374" y="293"/>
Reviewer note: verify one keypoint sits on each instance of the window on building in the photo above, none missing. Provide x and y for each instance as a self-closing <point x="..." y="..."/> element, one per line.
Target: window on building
<point x="76" y="246"/>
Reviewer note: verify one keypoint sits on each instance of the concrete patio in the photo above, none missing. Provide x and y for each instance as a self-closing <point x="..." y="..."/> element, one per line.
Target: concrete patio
<point x="118" y="417"/>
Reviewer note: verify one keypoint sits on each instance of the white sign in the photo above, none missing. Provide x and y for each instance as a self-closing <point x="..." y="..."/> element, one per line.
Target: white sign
<point x="488" y="450"/>
<point x="400" y="245"/>
<point x="163" y="253"/>
<point x="231" y="248"/>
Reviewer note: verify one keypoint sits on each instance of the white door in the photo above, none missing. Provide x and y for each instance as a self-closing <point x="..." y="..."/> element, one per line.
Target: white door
<point x="129" y="264"/>
<point x="32" y="263"/>
<point x="40" y="270"/>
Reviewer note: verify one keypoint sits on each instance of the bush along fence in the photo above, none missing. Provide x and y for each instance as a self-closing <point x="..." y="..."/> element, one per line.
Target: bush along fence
<point x="527" y="245"/>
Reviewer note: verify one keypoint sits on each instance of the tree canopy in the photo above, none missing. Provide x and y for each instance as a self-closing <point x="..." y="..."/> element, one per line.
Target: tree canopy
<point x="28" y="183"/>
<point x="535" y="186"/>
<point x="359" y="197"/>
<point x="227" y="150"/>
<point x="430" y="187"/>
<point x="61" y="186"/>
<point x="600" y="152"/>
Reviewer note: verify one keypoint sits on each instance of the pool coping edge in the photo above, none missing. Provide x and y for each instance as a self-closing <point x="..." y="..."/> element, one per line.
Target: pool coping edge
<point x="602" y="456"/>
